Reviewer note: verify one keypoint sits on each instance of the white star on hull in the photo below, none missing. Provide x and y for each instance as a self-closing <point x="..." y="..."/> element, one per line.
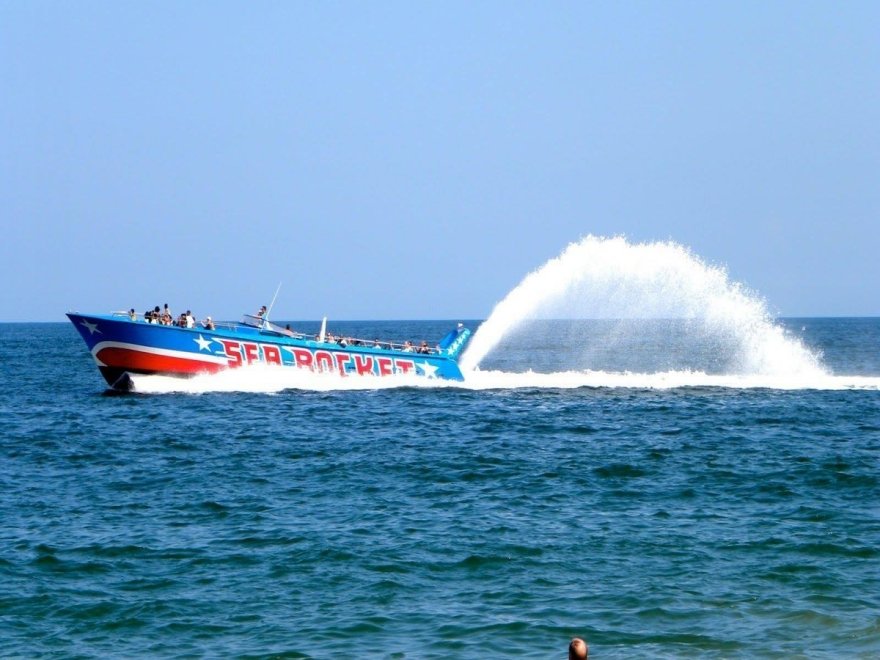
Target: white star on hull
<point x="427" y="368"/>
<point x="204" y="344"/>
<point x="91" y="327"/>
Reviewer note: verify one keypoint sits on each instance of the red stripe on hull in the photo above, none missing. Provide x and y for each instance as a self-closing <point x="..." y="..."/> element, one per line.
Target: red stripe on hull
<point x="140" y="362"/>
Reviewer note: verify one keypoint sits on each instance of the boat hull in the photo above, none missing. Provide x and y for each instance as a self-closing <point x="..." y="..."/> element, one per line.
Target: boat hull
<point x="121" y="346"/>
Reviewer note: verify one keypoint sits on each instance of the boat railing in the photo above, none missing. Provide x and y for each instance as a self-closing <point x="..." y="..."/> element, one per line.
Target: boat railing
<point x="268" y="327"/>
<point x="174" y="322"/>
<point x="379" y="344"/>
<point x="265" y="326"/>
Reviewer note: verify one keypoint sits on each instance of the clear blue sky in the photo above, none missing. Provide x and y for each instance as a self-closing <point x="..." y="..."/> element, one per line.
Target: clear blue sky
<point x="416" y="160"/>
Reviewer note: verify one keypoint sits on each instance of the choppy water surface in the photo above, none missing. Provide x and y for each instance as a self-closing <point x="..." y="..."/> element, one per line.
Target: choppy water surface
<point x="656" y="517"/>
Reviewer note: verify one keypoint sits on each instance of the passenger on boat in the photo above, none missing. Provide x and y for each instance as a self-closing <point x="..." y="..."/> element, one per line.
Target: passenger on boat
<point x="423" y="348"/>
<point x="208" y="324"/>
<point x="190" y="320"/>
<point x="408" y="347"/>
<point x="342" y="341"/>
<point x="167" y="311"/>
<point x="181" y="321"/>
<point x="157" y="315"/>
<point x="132" y="314"/>
<point x="262" y="312"/>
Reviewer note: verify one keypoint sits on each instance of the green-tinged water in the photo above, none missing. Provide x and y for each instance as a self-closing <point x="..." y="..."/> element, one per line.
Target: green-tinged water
<point x="453" y="521"/>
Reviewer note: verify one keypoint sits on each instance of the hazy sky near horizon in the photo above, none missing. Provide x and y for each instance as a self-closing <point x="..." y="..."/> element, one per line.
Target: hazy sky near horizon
<point x="398" y="160"/>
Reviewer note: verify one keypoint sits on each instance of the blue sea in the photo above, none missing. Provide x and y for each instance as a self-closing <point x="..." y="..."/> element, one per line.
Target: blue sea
<point x="655" y="505"/>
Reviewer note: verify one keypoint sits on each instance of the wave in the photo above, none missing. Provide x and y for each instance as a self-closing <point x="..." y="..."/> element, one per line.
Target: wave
<point x="273" y="380"/>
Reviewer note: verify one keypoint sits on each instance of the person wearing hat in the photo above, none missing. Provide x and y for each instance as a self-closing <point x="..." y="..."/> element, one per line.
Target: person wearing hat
<point x="208" y="323"/>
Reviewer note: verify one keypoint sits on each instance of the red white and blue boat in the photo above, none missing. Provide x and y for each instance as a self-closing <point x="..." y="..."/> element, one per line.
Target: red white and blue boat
<point x="122" y="345"/>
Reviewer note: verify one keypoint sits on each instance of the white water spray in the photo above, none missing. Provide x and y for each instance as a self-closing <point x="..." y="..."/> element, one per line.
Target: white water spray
<point x="610" y="278"/>
<point x="641" y="287"/>
<point x="272" y="379"/>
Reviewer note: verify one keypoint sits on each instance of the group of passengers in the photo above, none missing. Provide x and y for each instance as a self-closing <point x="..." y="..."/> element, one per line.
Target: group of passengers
<point x="343" y="342"/>
<point x="408" y="346"/>
<point x="422" y="348"/>
<point x="164" y="317"/>
<point x="187" y="320"/>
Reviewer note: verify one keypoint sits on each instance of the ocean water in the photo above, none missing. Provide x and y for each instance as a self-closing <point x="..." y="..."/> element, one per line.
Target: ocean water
<point x="664" y="489"/>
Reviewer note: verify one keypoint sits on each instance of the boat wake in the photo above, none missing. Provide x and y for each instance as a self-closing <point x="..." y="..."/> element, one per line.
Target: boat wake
<point x="270" y="379"/>
<point x="605" y="313"/>
<point x="487" y="380"/>
<point x="274" y="380"/>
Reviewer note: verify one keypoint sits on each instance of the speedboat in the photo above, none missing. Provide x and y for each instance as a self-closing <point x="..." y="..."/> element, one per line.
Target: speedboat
<point x="123" y="343"/>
